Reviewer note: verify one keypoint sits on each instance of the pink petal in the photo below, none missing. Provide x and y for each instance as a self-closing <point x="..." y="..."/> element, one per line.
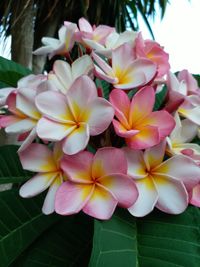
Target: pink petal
<point x="21" y="126"/>
<point x="106" y="161"/>
<point x="101" y="32"/>
<point x="84" y="25"/>
<point x="63" y="73"/>
<point x="37" y="184"/>
<point x="4" y="93"/>
<point x="82" y="91"/>
<point x="78" y="167"/>
<point x="192" y="114"/>
<point x="130" y="79"/>
<point x="178" y="200"/>
<point x="7" y="120"/>
<point x="103" y="66"/>
<point x="53" y="105"/>
<point x="122" y="187"/>
<point x="136" y="164"/>
<point x="71" y="197"/>
<point x="11" y="102"/>
<point x="38" y="158"/>
<point x="77" y="140"/>
<point x="139" y="108"/>
<point x="53" y="131"/>
<point x="154" y="156"/>
<point x="147" y="198"/>
<point x="49" y="202"/>
<point x="157" y="118"/>
<point x="195" y="198"/>
<point x="100" y="74"/>
<point x="28" y="140"/>
<point x="121" y="104"/>
<point x="82" y="66"/>
<point x="122" y="131"/>
<point x="181" y="168"/>
<point x="101" y="204"/>
<point x="98" y="114"/>
<point x="147" y="137"/>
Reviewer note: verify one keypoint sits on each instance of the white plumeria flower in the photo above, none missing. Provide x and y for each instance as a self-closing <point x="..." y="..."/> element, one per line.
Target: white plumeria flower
<point x="39" y="158"/>
<point x="180" y="138"/>
<point x="61" y="46"/>
<point x="64" y="74"/>
<point x="161" y="184"/>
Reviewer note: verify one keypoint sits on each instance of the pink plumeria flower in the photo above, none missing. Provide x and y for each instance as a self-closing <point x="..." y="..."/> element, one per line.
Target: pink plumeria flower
<point x="195" y="196"/>
<point x="96" y="184"/>
<point x="180" y="138"/>
<point x="181" y="99"/>
<point x="113" y="41"/>
<point x="39" y="158"/>
<point x="74" y="117"/>
<point x="126" y="72"/>
<point x="61" y="46"/>
<point x="153" y="51"/>
<point x="88" y="33"/>
<point x="191" y="84"/>
<point x="24" y="114"/>
<point x="63" y="75"/>
<point x="136" y="122"/>
<point x="163" y="185"/>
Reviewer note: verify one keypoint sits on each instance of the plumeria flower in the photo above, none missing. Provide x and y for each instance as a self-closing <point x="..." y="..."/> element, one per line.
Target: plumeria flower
<point x="180" y="138"/>
<point x="126" y="72"/>
<point x="153" y="51"/>
<point x="96" y="184"/>
<point x="163" y="185"/>
<point x="63" y="75"/>
<point x="181" y="99"/>
<point x="61" y="46"/>
<point x="195" y="196"/>
<point x="113" y="41"/>
<point x="74" y="117"/>
<point x="88" y="33"/>
<point x="39" y="158"/>
<point x="136" y="122"/>
<point x="24" y="114"/>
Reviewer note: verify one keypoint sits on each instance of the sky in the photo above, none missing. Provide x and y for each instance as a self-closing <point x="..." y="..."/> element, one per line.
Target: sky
<point x="178" y="32"/>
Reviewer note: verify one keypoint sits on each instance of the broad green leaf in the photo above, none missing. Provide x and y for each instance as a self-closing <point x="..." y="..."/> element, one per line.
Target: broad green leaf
<point x="104" y="87"/>
<point x="11" y="72"/>
<point x="155" y="240"/>
<point x="11" y="170"/>
<point x="160" y="97"/>
<point x="67" y="243"/>
<point x="21" y="223"/>
<point x="197" y="77"/>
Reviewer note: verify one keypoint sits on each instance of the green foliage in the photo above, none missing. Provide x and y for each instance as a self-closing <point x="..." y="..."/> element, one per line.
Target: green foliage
<point x="104" y="87"/>
<point x="10" y="167"/>
<point x="11" y="72"/>
<point x="160" y="97"/>
<point x="155" y="240"/>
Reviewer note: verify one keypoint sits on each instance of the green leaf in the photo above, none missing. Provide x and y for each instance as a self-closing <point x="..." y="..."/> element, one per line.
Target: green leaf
<point x="11" y="72"/>
<point x="160" y="97"/>
<point x="155" y="240"/>
<point x="67" y="243"/>
<point x="197" y="77"/>
<point x="21" y="223"/>
<point x="104" y="87"/>
<point x="11" y="170"/>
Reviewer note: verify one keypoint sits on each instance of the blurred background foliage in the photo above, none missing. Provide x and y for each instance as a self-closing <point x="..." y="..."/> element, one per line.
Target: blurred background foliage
<point x="27" y="21"/>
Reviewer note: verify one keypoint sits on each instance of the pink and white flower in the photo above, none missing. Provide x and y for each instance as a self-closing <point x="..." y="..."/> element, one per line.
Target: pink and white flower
<point x="136" y="122"/>
<point x="74" y="117"/>
<point x="96" y="184"/>
<point x="164" y="185"/>
<point x="61" y="46"/>
<point x="39" y="158"/>
<point x="126" y="72"/>
<point x="63" y="75"/>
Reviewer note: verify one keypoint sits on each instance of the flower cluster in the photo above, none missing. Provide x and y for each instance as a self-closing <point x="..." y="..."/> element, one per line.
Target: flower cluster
<point x="94" y="151"/>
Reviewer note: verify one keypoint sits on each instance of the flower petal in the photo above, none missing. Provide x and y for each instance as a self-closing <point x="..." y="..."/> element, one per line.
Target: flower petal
<point x="195" y="198"/>
<point x="122" y="187"/>
<point x="38" y="158"/>
<point x="71" y="197"/>
<point x="61" y="112"/>
<point x="147" y="198"/>
<point x="21" y="126"/>
<point x="77" y="140"/>
<point x="78" y="167"/>
<point x="122" y="131"/>
<point x="147" y="137"/>
<point x="98" y="114"/>
<point x="53" y="131"/>
<point x="29" y="139"/>
<point x="178" y="200"/>
<point x="37" y="184"/>
<point x="82" y="66"/>
<point x="136" y="164"/>
<point x="181" y="168"/>
<point x="49" y="202"/>
<point x="101" y="204"/>
<point x="106" y="161"/>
